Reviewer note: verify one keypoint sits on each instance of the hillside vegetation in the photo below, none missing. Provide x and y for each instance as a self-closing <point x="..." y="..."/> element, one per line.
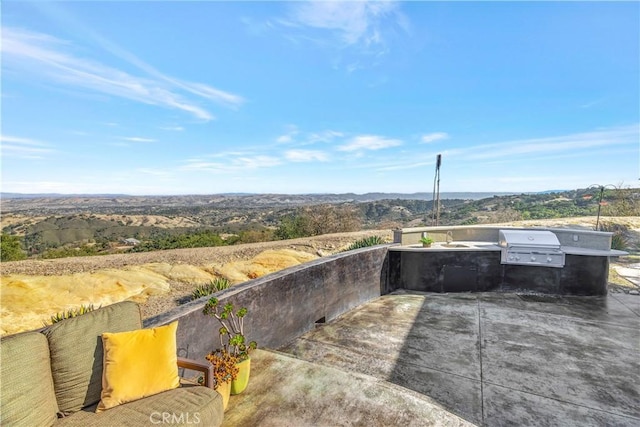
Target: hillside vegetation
<point x="64" y="227"/>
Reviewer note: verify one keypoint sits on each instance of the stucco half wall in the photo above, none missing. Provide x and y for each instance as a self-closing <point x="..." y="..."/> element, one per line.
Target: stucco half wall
<point x="286" y="304"/>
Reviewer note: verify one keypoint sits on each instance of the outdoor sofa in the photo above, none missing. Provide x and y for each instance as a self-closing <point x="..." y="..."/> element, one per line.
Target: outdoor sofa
<point x="54" y="377"/>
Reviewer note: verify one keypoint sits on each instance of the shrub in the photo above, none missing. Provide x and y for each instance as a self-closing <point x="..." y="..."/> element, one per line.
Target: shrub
<point x="193" y="239"/>
<point x="66" y="252"/>
<point x="255" y="236"/>
<point x="11" y="248"/>
<point x="619" y="239"/>
<point x="366" y="242"/>
<point x="74" y="312"/>
<point x="216" y="285"/>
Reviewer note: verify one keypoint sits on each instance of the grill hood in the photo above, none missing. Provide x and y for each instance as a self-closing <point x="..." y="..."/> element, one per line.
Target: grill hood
<point x="533" y="238"/>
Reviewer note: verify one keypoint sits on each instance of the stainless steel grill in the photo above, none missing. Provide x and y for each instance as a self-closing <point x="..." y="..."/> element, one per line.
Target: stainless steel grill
<point x="530" y="247"/>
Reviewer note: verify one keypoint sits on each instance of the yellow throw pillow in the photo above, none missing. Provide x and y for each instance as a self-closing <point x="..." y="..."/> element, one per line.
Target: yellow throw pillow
<point x="138" y="364"/>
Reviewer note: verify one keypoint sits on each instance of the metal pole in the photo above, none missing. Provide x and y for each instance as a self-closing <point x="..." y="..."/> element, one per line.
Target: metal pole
<point x="438" y="163"/>
<point x="599" y="207"/>
<point x="433" y="198"/>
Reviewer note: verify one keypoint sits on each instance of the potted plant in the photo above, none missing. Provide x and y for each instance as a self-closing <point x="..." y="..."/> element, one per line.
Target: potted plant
<point x="225" y="370"/>
<point x="232" y="339"/>
<point x="426" y="241"/>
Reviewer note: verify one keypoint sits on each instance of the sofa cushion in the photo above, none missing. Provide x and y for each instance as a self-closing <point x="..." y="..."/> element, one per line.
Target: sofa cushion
<point x="75" y="345"/>
<point x="26" y="382"/>
<point x="138" y="364"/>
<point x="187" y="405"/>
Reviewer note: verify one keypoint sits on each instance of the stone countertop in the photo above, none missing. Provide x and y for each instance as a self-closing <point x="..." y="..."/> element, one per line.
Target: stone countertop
<point x="453" y="246"/>
<point x="572" y="250"/>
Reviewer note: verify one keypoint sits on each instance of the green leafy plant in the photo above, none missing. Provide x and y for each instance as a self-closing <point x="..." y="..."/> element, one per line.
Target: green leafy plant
<point x="366" y="242"/>
<point x="216" y="285"/>
<point x="232" y="339"/>
<point x="426" y="240"/>
<point x="74" y="312"/>
<point x="224" y="367"/>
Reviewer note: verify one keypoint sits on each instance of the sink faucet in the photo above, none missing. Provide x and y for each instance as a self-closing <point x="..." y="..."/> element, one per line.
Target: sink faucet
<point x="449" y="236"/>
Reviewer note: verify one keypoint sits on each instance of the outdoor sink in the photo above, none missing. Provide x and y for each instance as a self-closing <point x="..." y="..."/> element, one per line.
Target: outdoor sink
<point x="460" y="244"/>
<point x="453" y="245"/>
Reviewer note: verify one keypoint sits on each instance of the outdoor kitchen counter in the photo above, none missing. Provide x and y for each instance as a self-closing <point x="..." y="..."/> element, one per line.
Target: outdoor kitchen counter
<point x="501" y="259"/>
<point x="475" y="266"/>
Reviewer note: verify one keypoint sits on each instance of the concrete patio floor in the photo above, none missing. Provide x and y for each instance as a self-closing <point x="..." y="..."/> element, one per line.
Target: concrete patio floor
<point x="490" y="359"/>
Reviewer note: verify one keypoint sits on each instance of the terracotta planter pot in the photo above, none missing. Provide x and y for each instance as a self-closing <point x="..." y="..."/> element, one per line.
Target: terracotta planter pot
<point x="240" y="383"/>
<point x="225" y="391"/>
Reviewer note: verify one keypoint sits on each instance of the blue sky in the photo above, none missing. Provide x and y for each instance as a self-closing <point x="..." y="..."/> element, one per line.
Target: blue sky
<point x="158" y="97"/>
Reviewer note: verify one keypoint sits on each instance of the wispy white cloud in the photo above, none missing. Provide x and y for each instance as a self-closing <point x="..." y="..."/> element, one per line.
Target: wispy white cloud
<point x="356" y="33"/>
<point x="232" y="164"/>
<point x="257" y="162"/>
<point x="137" y="139"/>
<point x="51" y="58"/>
<point x="354" y="22"/>
<point x="551" y="146"/>
<point x="433" y="137"/>
<point x="284" y="139"/>
<point x="306" y="156"/>
<point x="405" y="166"/>
<point x="24" y="148"/>
<point x="213" y="94"/>
<point x="369" y="142"/>
<point x="288" y="136"/>
<point x="293" y="135"/>
<point x="534" y="150"/>
<point x="19" y="140"/>
<point x="324" y="136"/>
<point x="173" y="128"/>
<point x="90" y="34"/>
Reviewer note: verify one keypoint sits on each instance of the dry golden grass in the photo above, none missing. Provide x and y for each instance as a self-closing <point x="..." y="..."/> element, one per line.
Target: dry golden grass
<point x="32" y="291"/>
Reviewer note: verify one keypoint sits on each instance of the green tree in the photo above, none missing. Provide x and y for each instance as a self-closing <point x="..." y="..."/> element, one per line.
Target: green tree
<point x="292" y="227"/>
<point x="11" y="248"/>
<point x="317" y="220"/>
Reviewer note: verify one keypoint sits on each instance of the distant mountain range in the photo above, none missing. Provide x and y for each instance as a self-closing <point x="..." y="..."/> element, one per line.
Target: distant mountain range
<point x="53" y="195"/>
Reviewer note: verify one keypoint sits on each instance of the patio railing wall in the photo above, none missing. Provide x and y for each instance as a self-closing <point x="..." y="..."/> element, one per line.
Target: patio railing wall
<point x="286" y="304"/>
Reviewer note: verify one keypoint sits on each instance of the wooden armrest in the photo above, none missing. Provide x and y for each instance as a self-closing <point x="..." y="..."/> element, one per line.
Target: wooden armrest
<point x="205" y="368"/>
